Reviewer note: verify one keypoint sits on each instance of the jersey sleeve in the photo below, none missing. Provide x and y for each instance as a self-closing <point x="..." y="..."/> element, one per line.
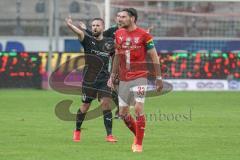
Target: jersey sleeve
<point x="88" y="32"/>
<point x="149" y="41"/>
<point x="111" y="46"/>
<point x="110" y="32"/>
<point x="85" y="40"/>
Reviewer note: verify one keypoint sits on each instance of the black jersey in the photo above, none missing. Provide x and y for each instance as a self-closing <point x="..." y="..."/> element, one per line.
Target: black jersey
<point x="110" y="32"/>
<point x="97" y="63"/>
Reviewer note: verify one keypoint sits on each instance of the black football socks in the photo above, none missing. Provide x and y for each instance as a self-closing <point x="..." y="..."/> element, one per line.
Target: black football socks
<point x="107" y="116"/>
<point x="79" y="119"/>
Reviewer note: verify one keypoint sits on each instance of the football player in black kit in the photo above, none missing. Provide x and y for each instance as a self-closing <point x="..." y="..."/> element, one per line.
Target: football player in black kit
<point x="98" y="50"/>
<point x="110" y="32"/>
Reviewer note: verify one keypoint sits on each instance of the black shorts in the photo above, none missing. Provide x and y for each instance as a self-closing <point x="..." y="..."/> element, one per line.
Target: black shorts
<point x="98" y="89"/>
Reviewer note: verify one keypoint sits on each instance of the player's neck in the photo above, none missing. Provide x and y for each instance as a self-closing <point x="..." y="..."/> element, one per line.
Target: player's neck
<point x="132" y="27"/>
<point x="100" y="37"/>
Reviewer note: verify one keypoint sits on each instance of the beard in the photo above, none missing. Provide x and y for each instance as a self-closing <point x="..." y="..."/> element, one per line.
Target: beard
<point x="124" y="25"/>
<point x="119" y="25"/>
<point x="96" y="34"/>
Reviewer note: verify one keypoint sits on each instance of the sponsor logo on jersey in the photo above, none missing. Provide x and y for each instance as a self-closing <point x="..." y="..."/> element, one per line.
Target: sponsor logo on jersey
<point x="136" y="39"/>
<point x="121" y="38"/>
<point x="105" y="54"/>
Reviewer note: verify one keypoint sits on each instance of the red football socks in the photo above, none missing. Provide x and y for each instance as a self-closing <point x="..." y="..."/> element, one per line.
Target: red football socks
<point x="130" y="123"/>
<point x="140" y="127"/>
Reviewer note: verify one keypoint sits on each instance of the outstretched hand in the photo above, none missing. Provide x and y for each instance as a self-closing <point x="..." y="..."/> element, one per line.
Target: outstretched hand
<point x="82" y="25"/>
<point x="68" y="21"/>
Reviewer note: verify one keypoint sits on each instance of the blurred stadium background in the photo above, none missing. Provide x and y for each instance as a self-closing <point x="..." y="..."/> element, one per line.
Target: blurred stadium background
<point x="195" y="40"/>
<point x="198" y="43"/>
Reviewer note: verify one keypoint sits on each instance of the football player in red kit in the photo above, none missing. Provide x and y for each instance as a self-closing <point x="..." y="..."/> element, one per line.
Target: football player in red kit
<point x="133" y="45"/>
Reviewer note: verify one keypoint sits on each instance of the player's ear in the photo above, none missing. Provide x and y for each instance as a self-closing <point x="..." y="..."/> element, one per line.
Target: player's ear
<point x="132" y="19"/>
<point x="103" y="25"/>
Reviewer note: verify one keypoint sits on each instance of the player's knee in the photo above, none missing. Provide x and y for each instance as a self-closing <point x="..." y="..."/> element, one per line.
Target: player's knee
<point x="84" y="108"/>
<point x="123" y="116"/>
<point x="123" y="112"/>
<point x="138" y="108"/>
<point x="105" y="104"/>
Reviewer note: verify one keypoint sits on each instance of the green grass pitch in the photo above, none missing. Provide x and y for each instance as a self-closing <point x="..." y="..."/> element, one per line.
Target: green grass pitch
<point x="188" y="126"/>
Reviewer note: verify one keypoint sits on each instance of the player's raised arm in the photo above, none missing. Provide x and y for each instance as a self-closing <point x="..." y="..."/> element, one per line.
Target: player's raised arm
<point x="155" y="60"/>
<point x="83" y="26"/>
<point x="75" y="29"/>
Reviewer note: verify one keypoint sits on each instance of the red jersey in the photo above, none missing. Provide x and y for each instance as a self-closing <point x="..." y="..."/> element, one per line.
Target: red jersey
<point x="132" y="50"/>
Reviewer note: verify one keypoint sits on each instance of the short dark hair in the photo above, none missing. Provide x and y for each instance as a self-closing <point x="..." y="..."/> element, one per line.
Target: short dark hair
<point x="131" y="12"/>
<point x="98" y="19"/>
